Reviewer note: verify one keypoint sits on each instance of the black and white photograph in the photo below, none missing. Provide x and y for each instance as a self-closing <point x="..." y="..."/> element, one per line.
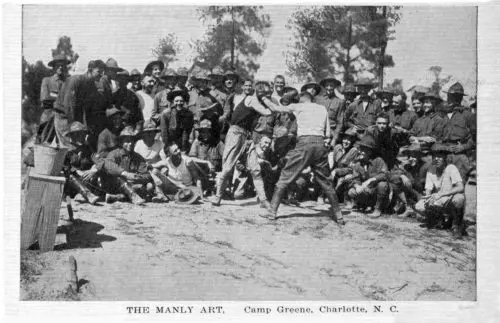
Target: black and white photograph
<point x="268" y="153"/>
<point x="214" y="161"/>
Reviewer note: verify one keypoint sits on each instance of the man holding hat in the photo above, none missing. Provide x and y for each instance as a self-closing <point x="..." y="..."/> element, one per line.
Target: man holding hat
<point x="77" y="99"/>
<point x="154" y="69"/>
<point x="334" y="105"/>
<point x="459" y="133"/>
<point x="127" y="172"/>
<point x="444" y="192"/>
<point x="363" y="113"/>
<point x="369" y="187"/>
<point x="313" y="134"/>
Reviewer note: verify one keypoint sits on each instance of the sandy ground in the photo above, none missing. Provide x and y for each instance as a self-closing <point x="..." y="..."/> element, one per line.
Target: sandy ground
<point x="200" y="252"/>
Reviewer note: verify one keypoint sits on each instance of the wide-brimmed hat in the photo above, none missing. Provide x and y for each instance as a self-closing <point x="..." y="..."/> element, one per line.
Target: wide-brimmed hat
<point x="438" y="148"/>
<point x="149" y="126"/>
<point x="386" y="93"/>
<point x="150" y="65"/>
<point x="367" y="142"/>
<point x="76" y="127"/>
<point x="128" y="131"/>
<point x="123" y="74"/>
<point x="168" y="73"/>
<point x="349" y="88"/>
<point x="199" y="74"/>
<point x="135" y="74"/>
<point x="456" y="88"/>
<point x="112" y="65"/>
<point x="231" y="73"/>
<point x="59" y="59"/>
<point x="111" y="112"/>
<point x="350" y="133"/>
<point x="363" y="81"/>
<point x="217" y="71"/>
<point x="313" y="85"/>
<point x="176" y="92"/>
<point x="432" y="94"/>
<point x="187" y="196"/>
<point x="205" y="124"/>
<point x="330" y="79"/>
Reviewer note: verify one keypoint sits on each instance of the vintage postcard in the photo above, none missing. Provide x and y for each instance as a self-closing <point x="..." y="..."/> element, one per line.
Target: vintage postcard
<point x="196" y="162"/>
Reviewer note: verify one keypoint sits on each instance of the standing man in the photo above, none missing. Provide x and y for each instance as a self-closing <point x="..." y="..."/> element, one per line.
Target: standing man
<point x="334" y="105"/>
<point x="310" y="151"/>
<point x="135" y="80"/>
<point x="154" y="69"/>
<point x="362" y="113"/>
<point x="146" y="96"/>
<point x="459" y="133"/>
<point x="230" y="80"/>
<point x="265" y="123"/>
<point x="279" y="87"/>
<point x="77" y="99"/>
<point x="51" y="85"/>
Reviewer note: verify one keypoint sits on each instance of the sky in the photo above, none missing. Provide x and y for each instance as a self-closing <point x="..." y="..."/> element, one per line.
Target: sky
<point x="426" y="36"/>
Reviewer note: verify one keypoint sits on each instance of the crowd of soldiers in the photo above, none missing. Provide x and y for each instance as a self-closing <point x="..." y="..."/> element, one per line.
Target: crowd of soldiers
<point x="206" y="136"/>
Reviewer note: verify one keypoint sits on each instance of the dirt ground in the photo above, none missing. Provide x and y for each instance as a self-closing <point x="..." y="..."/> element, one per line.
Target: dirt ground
<point x="200" y="252"/>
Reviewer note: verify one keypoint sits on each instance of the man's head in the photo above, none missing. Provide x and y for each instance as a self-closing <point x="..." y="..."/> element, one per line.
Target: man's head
<point x="349" y="92"/>
<point x="399" y="101"/>
<point x="279" y="83"/>
<point x="330" y="84"/>
<point x="431" y="100"/>
<point x="96" y="69"/>
<point x="174" y="151"/>
<point x="265" y="143"/>
<point x="169" y="77"/>
<point x="439" y="155"/>
<point x="364" y="86"/>
<point x="262" y="88"/>
<point x="60" y="65"/>
<point x="149" y="132"/>
<point x="416" y="101"/>
<point x="205" y="131"/>
<point x="156" y="70"/>
<point x="115" y="119"/>
<point x="366" y="148"/>
<point x="305" y="97"/>
<point x="148" y="82"/>
<point x="382" y="122"/>
<point x="179" y="101"/>
<point x="455" y="95"/>
<point x="230" y="80"/>
<point x="128" y="139"/>
<point x="348" y="139"/>
<point x="248" y="87"/>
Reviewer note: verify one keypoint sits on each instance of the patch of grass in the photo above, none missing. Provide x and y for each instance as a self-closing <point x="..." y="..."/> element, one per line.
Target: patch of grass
<point x="31" y="266"/>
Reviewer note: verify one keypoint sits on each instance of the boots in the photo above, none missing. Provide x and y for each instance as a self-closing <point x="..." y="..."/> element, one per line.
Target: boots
<point x="336" y="215"/>
<point x="265" y="204"/>
<point x="272" y="211"/>
<point x="377" y="212"/>
<point x="82" y="189"/>
<point x="127" y="189"/>
<point x="159" y="197"/>
<point x="457" y="224"/>
<point x="111" y="198"/>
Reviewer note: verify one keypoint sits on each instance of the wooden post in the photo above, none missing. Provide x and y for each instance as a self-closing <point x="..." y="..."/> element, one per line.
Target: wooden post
<point x="41" y="212"/>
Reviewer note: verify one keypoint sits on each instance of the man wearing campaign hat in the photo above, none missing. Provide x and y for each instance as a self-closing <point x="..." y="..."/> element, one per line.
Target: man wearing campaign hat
<point x="265" y="123"/>
<point x="126" y="171"/>
<point x="78" y="100"/>
<point x="444" y="197"/>
<point x="177" y="121"/>
<point x="206" y="150"/>
<point x="369" y="188"/>
<point x="362" y="113"/>
<point x="459" y="133"/>
<point x="51" y="85"/>
<point x="154" y="69"/>
<point x="108" y="138"/>
<point x="400" y="118"/>
<point x="429" y="127"/>
<point x="230" y="81"/>
<point x="216" y="77"/>
<point x="349" y="92"/>
<point x="334" y="105"/>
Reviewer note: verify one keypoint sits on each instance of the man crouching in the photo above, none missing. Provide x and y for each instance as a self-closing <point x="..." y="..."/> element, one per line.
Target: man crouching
<point x="444" y="193"/>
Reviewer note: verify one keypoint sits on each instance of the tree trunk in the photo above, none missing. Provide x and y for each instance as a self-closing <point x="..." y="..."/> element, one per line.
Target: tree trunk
<point x="232" y="40"/>
<point x="348" y="54"/>
<point x="383" y="46"/>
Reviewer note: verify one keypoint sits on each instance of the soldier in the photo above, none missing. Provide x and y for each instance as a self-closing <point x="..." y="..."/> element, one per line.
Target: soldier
<point x="362" y="113"/>
<point x="154" y="69"/>
<point x="161" y="102"/>
<point x="459" y="133"/>
<point x="313" y="88"/>
<point x="385" y="96"/>
<point x="386" y="142"/>
<point x="108" y="138"/>
<point x="216" y="85"/>
<point x="265" y="123"/>
<point x="127" y="101"/>
<point x="334" y="105"/>
<point x="310" y="150"/>
<point x="349" y="92"/>
<point x="177" y="122"/>
<point x="400" y="118"/>
<point x="230" y="80"/>
<point x="135" y="80"/>
<point x="146" y="97"/>
<point x="51" y="85"/>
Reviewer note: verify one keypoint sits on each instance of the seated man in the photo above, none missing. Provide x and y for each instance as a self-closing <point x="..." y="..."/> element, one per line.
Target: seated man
<point x="206" y="149"/>
<point x="444" y="193"/>
<point x="127" y="172"/>
<point x="78" y="166"/>
<point x="108" y="138"/>
<point x="340" y="161"/>
<point x="150" y="148"/>
<point x="370" y="179"/>
<point x="177" y="171"/>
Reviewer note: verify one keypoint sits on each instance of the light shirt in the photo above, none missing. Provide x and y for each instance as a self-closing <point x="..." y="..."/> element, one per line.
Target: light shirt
<point x="312" y="119"/>
<point x="365" y="105"/>
<point x="180" y="173"/>
<point x="444" y="183"/>
<point x="450" y="115"/>
<point x="150" y="154"/>
<point x="146" y="104"/>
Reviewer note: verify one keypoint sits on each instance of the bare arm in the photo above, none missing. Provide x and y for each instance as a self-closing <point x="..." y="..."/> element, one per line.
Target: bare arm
<point x="257" y="106"/>
<point x="276" y="108"/>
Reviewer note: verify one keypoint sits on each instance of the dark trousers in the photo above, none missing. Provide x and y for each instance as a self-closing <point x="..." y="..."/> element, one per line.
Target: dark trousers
<point x="309" y="151"/>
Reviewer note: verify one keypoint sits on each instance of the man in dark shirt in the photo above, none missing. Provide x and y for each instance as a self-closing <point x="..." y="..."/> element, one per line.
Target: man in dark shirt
<point x="350" y="94"/>
<point x="400" y="118"/>
<point x="77" y="100"/>
<point x="108" y="138"/>
<point x="334" y="105"/>
<point x="362" y="113"/>
<point x="126" y="100"/>
<point x="386" y="144"/>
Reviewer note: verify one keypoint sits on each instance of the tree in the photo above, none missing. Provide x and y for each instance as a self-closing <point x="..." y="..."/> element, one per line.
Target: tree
<point x="355" y="37"/>
<point x="439" y="81"/>
<point x="167" y="49"/>
<point x="234" y="39"/>
<point x="32" y="77"/>
<point x="64" y="47"/>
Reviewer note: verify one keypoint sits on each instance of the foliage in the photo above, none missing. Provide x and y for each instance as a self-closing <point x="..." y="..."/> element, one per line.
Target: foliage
<point x="167" y="49"/>
<point x="32" y="77"/>
<point x="235" y="38"/>
<point x="439" y="81"/>
<point x="64" y="47"/>
<point x="341" y="40"/>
